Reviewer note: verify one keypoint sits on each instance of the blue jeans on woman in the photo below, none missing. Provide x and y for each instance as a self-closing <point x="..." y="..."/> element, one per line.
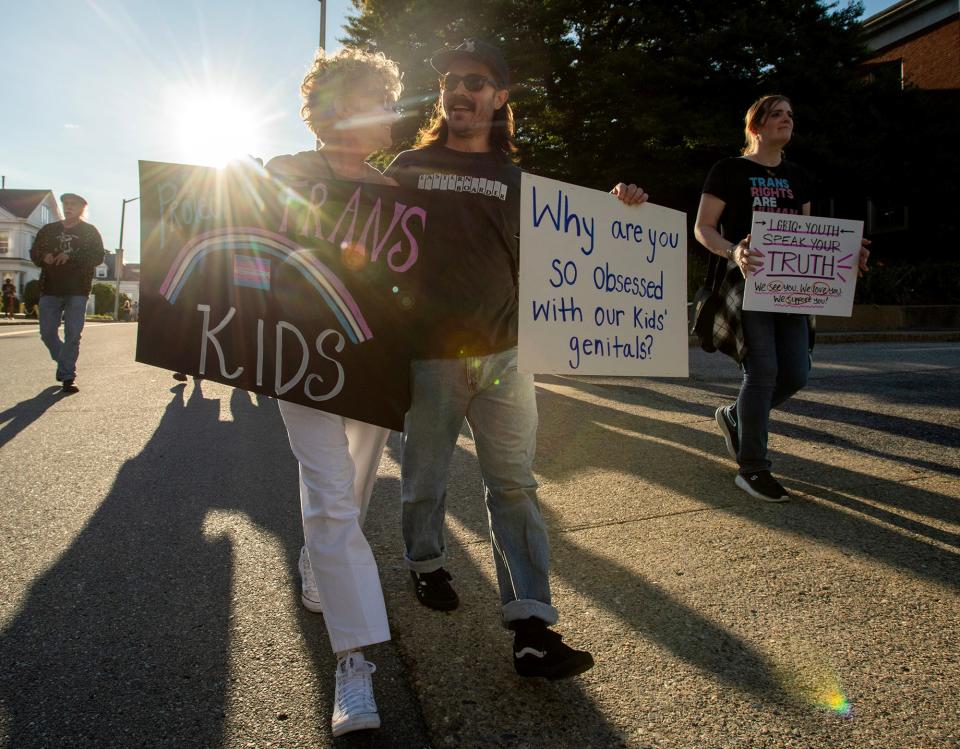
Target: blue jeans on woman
<point x="72" y="310"/>
<point x="776" y="367"/>
<point x="500" y="406"/>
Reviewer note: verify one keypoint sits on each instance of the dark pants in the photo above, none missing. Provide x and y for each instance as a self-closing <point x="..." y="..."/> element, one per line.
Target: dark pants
<point x="776" y="367"/>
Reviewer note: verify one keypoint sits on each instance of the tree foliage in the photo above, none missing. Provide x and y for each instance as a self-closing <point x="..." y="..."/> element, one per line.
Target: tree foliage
<point x="655" y="91"/>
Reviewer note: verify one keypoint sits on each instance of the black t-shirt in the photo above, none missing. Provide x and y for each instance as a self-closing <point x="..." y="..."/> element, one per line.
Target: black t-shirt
<point x="745" y="186"/>
<point x="83" y="246"/>
<point x="473" y="297"/>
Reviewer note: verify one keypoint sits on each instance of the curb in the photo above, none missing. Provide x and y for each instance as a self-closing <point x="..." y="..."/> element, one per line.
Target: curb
<point x="877" y="336"/>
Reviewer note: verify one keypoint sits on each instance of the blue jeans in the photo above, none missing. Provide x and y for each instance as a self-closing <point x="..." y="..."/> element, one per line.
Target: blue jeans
<point x="500" y="406"/>
<point x="72" y="310"/>
<point x="776" y="367"/>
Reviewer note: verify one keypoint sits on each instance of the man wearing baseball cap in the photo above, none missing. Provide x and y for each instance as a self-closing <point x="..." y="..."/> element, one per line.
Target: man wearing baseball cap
<point x="67" y="252"/>
<point x="466" y="367"/>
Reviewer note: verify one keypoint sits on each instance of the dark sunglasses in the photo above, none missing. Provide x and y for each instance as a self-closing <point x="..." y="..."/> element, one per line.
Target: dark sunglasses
<point x="471" y="81"/>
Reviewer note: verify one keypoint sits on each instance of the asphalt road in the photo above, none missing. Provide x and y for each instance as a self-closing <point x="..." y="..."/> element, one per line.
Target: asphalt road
<point x="149" y="535"/>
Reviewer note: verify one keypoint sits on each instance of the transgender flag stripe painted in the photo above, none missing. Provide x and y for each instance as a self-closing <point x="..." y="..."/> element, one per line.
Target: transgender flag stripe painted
<point x="253" y="239"/>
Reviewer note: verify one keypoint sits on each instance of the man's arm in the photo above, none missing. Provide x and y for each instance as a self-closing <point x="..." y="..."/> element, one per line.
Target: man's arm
<point x="93" y="252"/>
<point x="630" y="194"/>
<point x="39" y="253"/>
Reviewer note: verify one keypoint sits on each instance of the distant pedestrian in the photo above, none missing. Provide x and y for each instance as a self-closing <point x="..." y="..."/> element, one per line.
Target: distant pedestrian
<point x="9" y="298"/>
<point x="772" y="348"/>
<point x="126" y="309"/>
<point x="67" y="252"/>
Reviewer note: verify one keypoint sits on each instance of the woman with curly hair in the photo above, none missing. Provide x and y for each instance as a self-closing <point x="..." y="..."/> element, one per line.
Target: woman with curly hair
<point x="349" y="101"/>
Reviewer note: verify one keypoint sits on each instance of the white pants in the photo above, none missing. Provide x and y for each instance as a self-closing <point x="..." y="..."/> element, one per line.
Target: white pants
<point x="338" y="466"/>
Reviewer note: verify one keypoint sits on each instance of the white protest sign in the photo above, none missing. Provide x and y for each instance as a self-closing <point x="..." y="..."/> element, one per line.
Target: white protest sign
<point x="603" y="285"/>
<point x="809" y="264"/>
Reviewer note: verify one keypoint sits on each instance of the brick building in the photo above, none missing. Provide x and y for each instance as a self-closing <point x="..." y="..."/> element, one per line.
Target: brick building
<point x="917" y="41"/>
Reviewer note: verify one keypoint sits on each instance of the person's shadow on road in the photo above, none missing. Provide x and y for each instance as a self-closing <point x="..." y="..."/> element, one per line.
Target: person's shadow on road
<point x="123" y="641"/>
<point x="17" y="418"/>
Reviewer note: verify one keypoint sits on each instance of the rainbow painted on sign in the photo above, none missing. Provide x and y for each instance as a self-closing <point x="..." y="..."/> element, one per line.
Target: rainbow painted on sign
<point x="252" y="239"/>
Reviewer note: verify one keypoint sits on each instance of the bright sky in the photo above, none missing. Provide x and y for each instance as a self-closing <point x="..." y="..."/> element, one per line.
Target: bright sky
<point x="91" y="86"/>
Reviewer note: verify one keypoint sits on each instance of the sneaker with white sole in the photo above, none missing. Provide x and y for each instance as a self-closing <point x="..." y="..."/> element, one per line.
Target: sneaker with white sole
<point x="762" y="485"/>
<point x="354" y="708"/>
<point x="729" y="431"/>
<point x="539" y="651"/>
<point x="309" y="594"/>
<point x="434" y="590"/>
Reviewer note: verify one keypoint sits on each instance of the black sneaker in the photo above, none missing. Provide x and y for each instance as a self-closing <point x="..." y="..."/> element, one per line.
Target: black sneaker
<point x="539" y="651"/>
<point x="69" y="388"/>
<point x="762" y="485"/>
<point x="729" y="431"/>
<point x="434" y="590"/>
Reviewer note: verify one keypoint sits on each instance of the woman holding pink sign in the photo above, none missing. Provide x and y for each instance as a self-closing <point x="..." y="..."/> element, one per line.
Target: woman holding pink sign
<point x="771" y="347"/>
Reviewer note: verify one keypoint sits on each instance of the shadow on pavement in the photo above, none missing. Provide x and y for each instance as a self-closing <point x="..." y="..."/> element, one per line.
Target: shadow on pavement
<point x="598" y="444"/>
<point x="17" y="418"/>
<point x="125" y="640"/>
<point x="465" y="656"/>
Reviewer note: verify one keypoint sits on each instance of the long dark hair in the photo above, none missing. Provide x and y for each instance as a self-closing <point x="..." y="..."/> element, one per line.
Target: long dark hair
<point x="501" y="132"/>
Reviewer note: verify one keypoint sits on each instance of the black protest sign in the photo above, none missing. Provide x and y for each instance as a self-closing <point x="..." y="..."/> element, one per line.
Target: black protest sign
<point x="309" y="296"/>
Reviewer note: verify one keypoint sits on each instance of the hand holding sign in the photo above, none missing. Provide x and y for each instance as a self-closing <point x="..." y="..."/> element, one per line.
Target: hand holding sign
<point x="810" y="264"/>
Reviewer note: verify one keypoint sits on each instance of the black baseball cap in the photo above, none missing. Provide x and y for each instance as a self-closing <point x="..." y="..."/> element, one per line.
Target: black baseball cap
<point x="474" y="49"/>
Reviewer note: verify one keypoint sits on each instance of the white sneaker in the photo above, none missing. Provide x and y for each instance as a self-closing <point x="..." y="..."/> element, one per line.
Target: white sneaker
<point x="309" y="595"/>
<point x="354" y="708"/>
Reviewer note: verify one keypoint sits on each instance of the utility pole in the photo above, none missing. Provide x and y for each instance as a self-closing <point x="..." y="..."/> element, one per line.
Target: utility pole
<point x="118" y="264"/>
<point x="323" y="24"/>
<point x="323" y="40"/>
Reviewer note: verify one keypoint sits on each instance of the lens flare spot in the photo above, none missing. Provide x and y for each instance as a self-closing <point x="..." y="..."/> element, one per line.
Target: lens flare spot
<point x="497" y="381"/>
<point x="353" y="256"/>
<point x="834" y="700"/>
<point x="395" y="290"/>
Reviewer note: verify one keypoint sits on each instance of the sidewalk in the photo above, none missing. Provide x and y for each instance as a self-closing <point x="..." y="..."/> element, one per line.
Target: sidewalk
<point x="716" y="620"/>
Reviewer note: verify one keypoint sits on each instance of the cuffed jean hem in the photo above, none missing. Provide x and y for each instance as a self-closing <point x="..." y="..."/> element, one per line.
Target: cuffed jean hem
<point x="425" y="565"/>
<point x="527" y="607"/>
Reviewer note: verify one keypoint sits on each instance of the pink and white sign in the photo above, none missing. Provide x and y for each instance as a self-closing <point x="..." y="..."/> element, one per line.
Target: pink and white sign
<point x="809" y="264"/>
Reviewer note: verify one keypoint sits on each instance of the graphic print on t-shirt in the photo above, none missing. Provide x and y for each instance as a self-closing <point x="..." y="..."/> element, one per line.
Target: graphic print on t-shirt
<point x="66" y="243"/>
<point x="458" y="183"/>
<point x="766" y="191"/>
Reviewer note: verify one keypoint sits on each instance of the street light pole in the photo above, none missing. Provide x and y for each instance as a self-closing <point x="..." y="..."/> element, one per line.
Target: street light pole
<point x="323" y="39"/>
<point x="323" y="24"/>
<point x="118" y="264"/>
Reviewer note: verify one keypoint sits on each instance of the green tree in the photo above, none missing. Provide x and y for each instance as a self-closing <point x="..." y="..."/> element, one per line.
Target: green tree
<point x="655" y="91"/>
<point x="103" y="296"/>
<point x="633" y="88"/>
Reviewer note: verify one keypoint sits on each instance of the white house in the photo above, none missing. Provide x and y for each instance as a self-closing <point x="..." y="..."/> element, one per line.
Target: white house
<point x="129" y="277"/>
<point x="22" y="213"/>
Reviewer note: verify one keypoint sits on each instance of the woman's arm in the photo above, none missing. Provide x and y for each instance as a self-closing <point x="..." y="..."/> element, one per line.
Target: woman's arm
<point x="708" y="234"/>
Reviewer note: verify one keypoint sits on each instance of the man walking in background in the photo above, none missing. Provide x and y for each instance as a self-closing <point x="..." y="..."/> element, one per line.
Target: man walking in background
<point x="67" y="252"/>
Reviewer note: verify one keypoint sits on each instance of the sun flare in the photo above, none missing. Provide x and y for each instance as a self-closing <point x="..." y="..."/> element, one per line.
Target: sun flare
<point x="212" y="129"/>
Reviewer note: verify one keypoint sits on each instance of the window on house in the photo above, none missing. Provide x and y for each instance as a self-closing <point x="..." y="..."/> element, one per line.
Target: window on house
<point x="889" y="72"/>
<point x="4" y="243"/>
<point x="44" y="215"/>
